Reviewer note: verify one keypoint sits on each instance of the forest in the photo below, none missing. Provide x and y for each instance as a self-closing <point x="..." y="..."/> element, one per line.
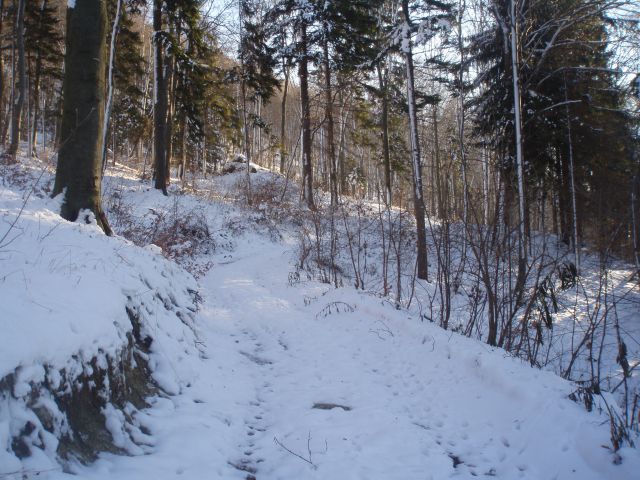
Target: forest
<point x="473" y="165"/>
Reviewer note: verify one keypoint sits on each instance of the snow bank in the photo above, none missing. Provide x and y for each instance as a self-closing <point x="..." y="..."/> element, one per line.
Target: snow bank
<point x="72" y="303"/>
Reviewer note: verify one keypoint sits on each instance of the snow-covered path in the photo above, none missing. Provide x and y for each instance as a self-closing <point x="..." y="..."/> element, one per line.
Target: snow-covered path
<point x="302" y="381"/>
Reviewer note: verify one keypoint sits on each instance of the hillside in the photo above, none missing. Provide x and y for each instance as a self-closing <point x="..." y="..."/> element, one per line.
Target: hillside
<point x="219" y="352"/>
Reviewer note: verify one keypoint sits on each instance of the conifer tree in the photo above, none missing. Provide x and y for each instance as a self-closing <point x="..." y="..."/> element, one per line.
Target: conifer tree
<point x="178" y="44"/>
<point x="347" y="30"/>
<point x="128" y="119"/>
<point x="21" y="82"/>
<point x="43" y="45"/>
<point x="337" y="34"/>
<point x="566" y="84"/>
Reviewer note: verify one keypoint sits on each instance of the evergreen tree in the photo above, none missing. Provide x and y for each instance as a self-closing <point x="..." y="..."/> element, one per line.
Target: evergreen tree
<point x="336" y="34"/>
<point x="43" y="45"/>
<point x="128" y="121"/>
<point x="566" y="84"/>
<point x="20" y="83"/>
<point x="179" y="76"/>
<point x="348" y="28"/>
<point x="221" y="118"/>
<point x="255" y="73"/>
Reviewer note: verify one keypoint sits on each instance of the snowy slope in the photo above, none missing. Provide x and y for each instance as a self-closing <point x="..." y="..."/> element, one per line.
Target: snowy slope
<point x="424" y="403"/>
<point x="291" y="379"/>
<point x="64" y="293"/>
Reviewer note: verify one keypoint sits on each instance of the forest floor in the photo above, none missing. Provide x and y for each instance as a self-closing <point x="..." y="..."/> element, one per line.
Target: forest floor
<point x="299" y="380"/>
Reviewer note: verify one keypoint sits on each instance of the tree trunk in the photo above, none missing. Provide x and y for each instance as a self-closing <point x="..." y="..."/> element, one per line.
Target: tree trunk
<point x="461" y="134"/>
<point x="442" y="215"/>
<point x="36" y="98"/>
<point x="18" y="106"/>
<point x="245" y="112"/>
<point x="36" y="90"/>
<point x="574" y="208"/>
<point x="286" y="66"/>
<point x="416" y="164"/>
<point x="562" y="209"/>
<point x="328" y="95"/>
<point x="160" y="102"/>
<point x="171" y="82"/>
<point x="485" y="184"/>
<point x="517" y="105"/>
<point x="386" y="156"/>
<point x="342" y="174"/>
<point x="635" y="224"/>
<point x="2" y="82"/>
<point x="107" y="108"/>
<point x="303" y="73"/>
<point x="79" y="172"/>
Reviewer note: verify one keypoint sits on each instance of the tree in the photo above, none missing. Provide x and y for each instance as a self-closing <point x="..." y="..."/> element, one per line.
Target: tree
<point x="110" y="86"/>
<point x="129" y="121"/>
<point x="21" y="86"/>
<point x="79" y="170"/>
<point x="257" y="64"/>
<point x="556" y="54"/>
<point x="303" y="74"/>
<point x="179" y="79"/>
<point x="43" y="45"/>
<point x="416" y="162"/>
<point x="434" y="18"/>
<point x="347" y="30"/>
<point x="160" y="100"/>
<point x="299" y="17"/>
<point x="2" y="79"/>
<point x="336" y="34"/>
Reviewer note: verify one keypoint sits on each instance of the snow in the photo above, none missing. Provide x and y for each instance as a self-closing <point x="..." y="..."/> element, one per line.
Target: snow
<point x="67" y="281"/>
<point x="394" y="397"/>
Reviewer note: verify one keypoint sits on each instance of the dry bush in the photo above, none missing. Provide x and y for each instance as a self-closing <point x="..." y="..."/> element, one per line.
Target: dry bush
<point x="183" y="235"/>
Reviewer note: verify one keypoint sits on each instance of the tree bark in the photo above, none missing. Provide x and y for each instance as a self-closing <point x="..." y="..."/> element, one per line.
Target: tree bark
<point x="107" y="109"/>
<point x="160" y="102"/>
<point x="386" y="156"/>
<point x="172" y="78"/>
<point x="572" y="185"/>
<point x="16" y="116"/>
<point x="2" y="81"/>
<point x="286" y="66"/>
<point x="303" y="73"/>
<point x="36" y="90"/>
<point x="328" y="95"/>
<point x="517" y="111"/>
<point x="416" y="164"/>
<point x="79" y="170"/>
<point x="442" y="214"/>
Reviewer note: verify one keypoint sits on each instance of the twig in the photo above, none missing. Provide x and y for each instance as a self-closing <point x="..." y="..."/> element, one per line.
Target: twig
<point x="309" y="461"/>
<point x="381" y="332"/>
<point x="24" y="204"/>
<point x="27" y="471"/>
